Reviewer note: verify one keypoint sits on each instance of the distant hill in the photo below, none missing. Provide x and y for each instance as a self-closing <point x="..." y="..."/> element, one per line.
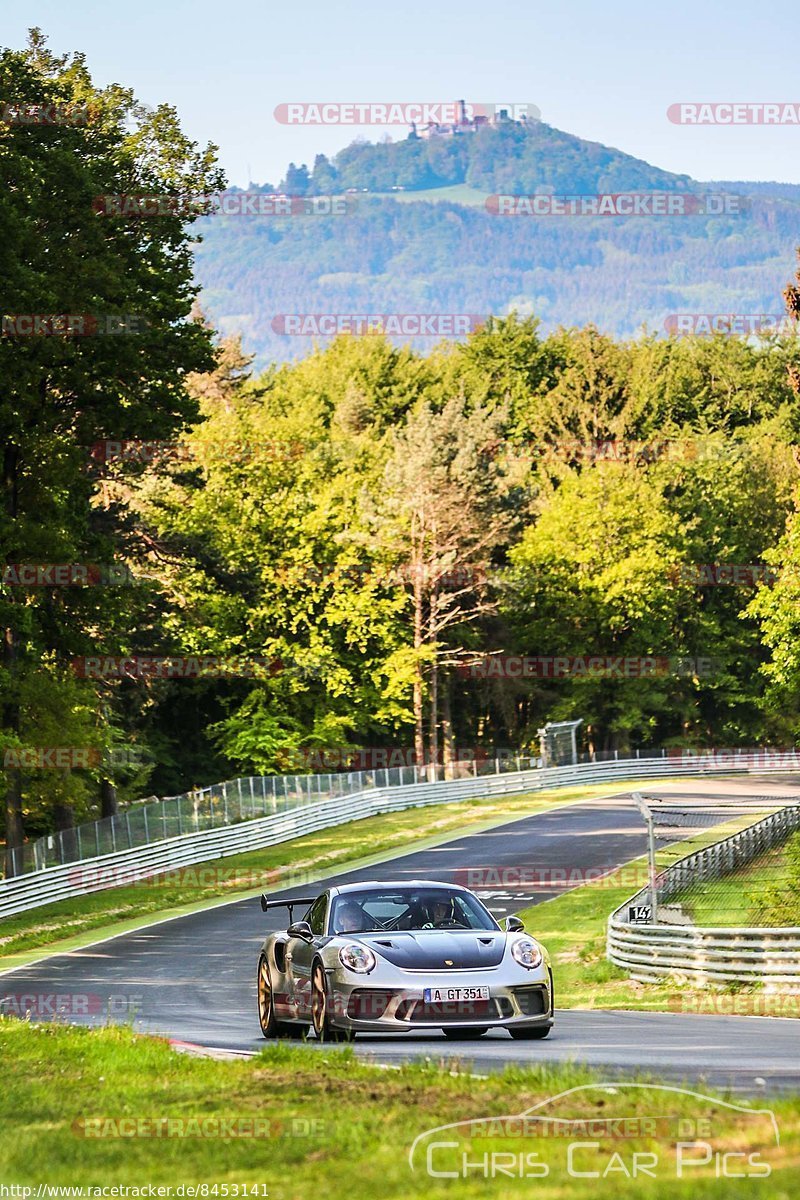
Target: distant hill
<point x="434" y="247"/>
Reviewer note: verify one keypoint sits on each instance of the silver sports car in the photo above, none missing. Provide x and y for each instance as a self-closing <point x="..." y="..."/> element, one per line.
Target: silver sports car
<point x="399" y="957"/>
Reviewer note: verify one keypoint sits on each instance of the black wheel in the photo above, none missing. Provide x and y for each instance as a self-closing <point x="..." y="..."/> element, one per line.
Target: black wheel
<point x="270" y="1027"/>
<point x="320" y="1018"/>
<point x="465" y="1033"/>
<point x="531" y="1033"/>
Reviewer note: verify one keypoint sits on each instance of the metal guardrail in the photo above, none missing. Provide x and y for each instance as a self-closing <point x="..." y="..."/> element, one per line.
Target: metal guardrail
<point x="246" y="798"/>
<point x="95" y="874"/>
<point x="710" y="954"/>
<point x="228" y="803"/>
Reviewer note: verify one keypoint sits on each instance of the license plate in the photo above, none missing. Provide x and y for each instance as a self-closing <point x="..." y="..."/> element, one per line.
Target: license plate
<point x="442" y="995"/>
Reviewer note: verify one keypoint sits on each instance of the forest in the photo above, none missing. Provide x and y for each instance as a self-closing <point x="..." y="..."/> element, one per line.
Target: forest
<point x="213" y="569"/>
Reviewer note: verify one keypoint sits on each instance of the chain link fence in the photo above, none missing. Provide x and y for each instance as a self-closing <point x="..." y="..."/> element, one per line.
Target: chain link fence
<point x="234" y="801"/>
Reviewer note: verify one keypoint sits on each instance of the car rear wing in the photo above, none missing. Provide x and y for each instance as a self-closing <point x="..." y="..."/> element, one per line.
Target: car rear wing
<point x="266" y="903"/>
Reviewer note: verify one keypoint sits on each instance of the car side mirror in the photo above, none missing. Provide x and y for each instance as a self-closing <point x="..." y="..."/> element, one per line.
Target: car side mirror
<point x="514" y="925"/>
<point x="301" y="929"/>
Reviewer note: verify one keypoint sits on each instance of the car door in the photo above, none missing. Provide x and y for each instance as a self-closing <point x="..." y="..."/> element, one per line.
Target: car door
<point x="302" y="953"/>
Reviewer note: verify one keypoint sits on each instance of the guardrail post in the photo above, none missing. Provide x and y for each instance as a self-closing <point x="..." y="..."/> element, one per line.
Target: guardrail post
<point x="146" y="830"/>
<point x="128" y="826"/>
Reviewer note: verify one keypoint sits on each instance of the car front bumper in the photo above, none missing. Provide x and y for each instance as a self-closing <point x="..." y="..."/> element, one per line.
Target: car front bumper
<point x="397" y="1005"/>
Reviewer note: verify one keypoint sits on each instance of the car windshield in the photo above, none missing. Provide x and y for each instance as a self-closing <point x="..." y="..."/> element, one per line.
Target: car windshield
<point x="408" y="909"/>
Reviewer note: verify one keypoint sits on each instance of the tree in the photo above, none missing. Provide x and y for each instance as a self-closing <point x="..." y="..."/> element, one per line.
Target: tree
<point x="128" y="284"/>
<point x="441" y="521"/>
<point x="297" y="181"/>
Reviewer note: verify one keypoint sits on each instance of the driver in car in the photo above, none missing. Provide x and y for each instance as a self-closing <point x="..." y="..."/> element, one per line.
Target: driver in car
<point x="441" y="911"/>
<point x="349" y="917"/>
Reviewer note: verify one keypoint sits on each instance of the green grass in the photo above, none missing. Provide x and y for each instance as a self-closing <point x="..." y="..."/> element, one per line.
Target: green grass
<point x="746" y="897"/>
<point x="573" y="928"/>
<point x="68" y="924"/>
<point x="331" y="1126"/>
<point x="457" y="193"/>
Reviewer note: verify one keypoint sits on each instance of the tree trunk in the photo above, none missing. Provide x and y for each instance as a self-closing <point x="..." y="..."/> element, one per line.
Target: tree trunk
<point x="419" y="740"/>
<point x="15" y="830"/>
<point x="108" y="799"/>
<point x="448" y="751"/>
<point x="64" y="821"/>
<point x="433" y="770"/>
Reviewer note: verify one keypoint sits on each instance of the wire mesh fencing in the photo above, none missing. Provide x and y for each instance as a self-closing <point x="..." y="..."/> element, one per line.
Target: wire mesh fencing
<point x="735" y="864"/>
<point x="236" y="800"/>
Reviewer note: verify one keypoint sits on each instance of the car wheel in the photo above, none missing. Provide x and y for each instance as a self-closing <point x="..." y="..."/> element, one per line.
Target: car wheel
<point x="270" y="1027"/>
<point x="465" y="1033"/>
<point x="531" y="1032"/>
<point x="266" y="1012"/>
<point x="320" y="1019"/>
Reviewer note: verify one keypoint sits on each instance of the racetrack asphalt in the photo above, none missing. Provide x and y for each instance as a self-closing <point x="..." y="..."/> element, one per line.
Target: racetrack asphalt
<point x="192" y="978"/>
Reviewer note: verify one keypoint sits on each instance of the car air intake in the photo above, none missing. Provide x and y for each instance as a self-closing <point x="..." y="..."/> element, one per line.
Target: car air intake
<point x="368" y="1004"/>
<point x="532" y="1001"/>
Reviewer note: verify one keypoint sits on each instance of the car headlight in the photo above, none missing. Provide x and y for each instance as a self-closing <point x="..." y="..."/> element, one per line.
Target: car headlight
<point x="527" y="953"/>
<point x="357" y="958"/>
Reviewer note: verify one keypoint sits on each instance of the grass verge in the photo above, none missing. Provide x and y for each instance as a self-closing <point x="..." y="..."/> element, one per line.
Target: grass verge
<point x="573" y="927"/>
<point x="764" y="892"/>
<point x="70" y="924"/>
<point x="108" y="1108"/>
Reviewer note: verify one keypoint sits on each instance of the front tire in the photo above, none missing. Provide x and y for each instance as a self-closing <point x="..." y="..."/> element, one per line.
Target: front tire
<point x="465" y="1033"/>
<point x="270" y="1027"/>
<point x="320" y="1019"/>
<point x="531" y="1033"/>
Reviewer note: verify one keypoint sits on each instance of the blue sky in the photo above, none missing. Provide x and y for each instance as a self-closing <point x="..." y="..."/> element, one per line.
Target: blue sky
<point x="605" y="72"/>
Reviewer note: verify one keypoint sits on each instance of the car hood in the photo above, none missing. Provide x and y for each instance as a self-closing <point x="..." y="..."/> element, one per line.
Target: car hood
<point x="438" y="950"/>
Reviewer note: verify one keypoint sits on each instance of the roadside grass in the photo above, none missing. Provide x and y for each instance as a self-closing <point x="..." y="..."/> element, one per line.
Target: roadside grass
<point x="67" y="924"/>
<point x="747" y="897"/>
<point x="573" y="928"/>
<point x="329" y="1125"/>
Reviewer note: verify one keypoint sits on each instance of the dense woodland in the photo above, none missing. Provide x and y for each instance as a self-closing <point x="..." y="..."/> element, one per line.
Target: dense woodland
<point x="364" y="535"/>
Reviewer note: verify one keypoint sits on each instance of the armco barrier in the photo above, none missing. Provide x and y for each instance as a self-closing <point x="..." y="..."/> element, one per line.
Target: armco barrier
<point x="108" y="870"/>
<point x="704" y="955"/>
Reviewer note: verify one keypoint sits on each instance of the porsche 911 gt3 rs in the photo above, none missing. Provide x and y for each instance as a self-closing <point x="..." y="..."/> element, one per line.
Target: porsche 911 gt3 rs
<point x="400" y="957"/>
